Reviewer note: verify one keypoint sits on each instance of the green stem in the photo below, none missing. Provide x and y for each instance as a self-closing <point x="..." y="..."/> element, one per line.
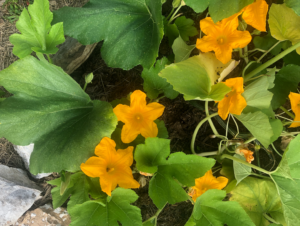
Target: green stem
<point x="272" y="61"/>
<point x="49" y="59"/>
<point x="270" y="218"/>
<point x="172" y="18"/>
<point x="276" y="150"/>
<point x="209" y="120"/>
<point x="246" y="54"/>
<point x="268" y="51"/>
<point x="84" y="86"/>
<point x="208" y="153"/>
<point x="170" y="14"/>
<point x="257" y="49"/>
<point x="287" y="112"/>
<point x="245" y="163"/>
<point x="250" y="140"/>
<point x="261" y="176"/>
<point x="155" y="215"/>
<point x="197" y="129"/>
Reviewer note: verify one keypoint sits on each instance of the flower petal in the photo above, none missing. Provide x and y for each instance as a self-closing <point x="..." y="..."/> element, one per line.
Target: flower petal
<point x="208" y="26"/>
<point x="237" y="104"/>
<point x="236" y="84"/>
<point x="149" y="129"/>
<point x="125" y="156"/>
<point x="123" y="112"/>
<point x="295" y="101"/>
<point x="108" y="183"/>
<point x="223" y="53"/>
<point x="222" y="182"/>
<point x="106" y="148"/>
<point x="129" y="133"/>
<point x="93" y="167"/>
<point x="239" y="39"/>
<point x="223" y="107"/>
<point x="255" y="14"/>
<point x="138" y="100"/>
<point x="153" y="111"/>
<point x="127" y="181"/>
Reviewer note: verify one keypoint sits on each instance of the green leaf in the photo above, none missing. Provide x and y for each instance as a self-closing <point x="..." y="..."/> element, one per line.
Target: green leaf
<point x="181" y="50"/>
<point x="185" y="28"/>
<point x="256" y="123"/>
<point x="211" y="210"/>
<point x="286" y="81"/>
<point x="292" y="58"/>
<point x="132" y="31"/>
<point x="176" y="3"/>
<point x="220" y="9"/>
<point x="257" y="95"/>
<point x="2" y="93"/>
<point x="36" y="31"/>
<point x="115" y="209"/>
<point x="284" y="24"/>
<point x="258" y="197"/>
<point x="197" y="80"/>
<point x="79" y="188"/>
<point x="294" y="4"/>
<point x="151" y="157"/>
<point x="171" y="31"/>
<point x="277" y="128"/>
<point x="196" y="5"/>
<point x="154" y="85"/>
<point x="266" y="42"/>
<point x="51" y="110"/>
<point x="241" y="171"/>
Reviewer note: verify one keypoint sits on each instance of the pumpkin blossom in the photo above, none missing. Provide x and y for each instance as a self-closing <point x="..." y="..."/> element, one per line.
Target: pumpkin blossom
<point x="222" y="37"/>
<point x="233" y="102"/>
<point x="111" y="166"/>
<point x="138" y="117"/>
<point x="207" y="182"/>
<point x="295" y="103"/>
<point x="247" y="154"/>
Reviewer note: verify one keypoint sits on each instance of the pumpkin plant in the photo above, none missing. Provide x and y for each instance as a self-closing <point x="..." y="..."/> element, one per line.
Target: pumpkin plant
<point x="99" y="147"/>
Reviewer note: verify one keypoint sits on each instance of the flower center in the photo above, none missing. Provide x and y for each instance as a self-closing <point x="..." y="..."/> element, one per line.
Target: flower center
<point x="221" y="40"/>
<point x="138" y="117"/>
<point x="109" y="170"/>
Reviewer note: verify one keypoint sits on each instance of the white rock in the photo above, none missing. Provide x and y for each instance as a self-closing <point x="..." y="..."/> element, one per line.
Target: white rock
<point x="25" y="153"/>
<point x="17" y="194"/>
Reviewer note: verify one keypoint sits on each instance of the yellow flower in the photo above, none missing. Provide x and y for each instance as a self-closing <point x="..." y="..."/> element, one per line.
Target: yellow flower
<point x="233" y="102"/>
<point x="295" y="103"/>
<point x="138" y="117"/>
<point x="207" y="182"/>
<point x="222" y="37"/>
<point x="113" y="167"/>
<point x="255" y="14"/>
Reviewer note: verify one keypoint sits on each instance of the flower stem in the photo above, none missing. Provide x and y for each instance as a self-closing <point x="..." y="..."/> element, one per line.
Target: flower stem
<point x="49" y="59"/>
<point x="210" y="121"/>
<point x="85" y="86"/>
<point x="272" y="61"/>
<point x="250" y="140"/>
<point x="270" y="218"/>
<point x="245" y="163"/>
<point x="208" y="153"/>
<point x="287" y="112"/>
<point x="268" y="51"/>
<point x="173" y="16"/>
<point x="197" y="129"/>
<point x="246" y="54"/>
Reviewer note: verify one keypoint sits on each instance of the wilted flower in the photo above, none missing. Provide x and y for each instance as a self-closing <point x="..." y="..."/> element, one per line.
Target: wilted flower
<point x="113" y="167"/>
<point x="138" y="117"/>
<point x="222" y="37"/>
<point x="295" y="103"/>
<point x="207" y="182"/>
<point x="246" y="153"/>
<point x="233" y="102"/>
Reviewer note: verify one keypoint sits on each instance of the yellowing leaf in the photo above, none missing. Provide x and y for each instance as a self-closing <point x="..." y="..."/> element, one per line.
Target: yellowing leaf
<point x="284" y="24"/>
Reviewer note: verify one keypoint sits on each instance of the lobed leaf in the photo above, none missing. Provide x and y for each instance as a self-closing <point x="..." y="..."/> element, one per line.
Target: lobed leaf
<point x="196" y="5"/>
<point x="132" y="32"/>
<point x="241" y="171"/>
<point x="294" y="4"/>
<point x="185" y="28"/>
<point x="181" y="50"/>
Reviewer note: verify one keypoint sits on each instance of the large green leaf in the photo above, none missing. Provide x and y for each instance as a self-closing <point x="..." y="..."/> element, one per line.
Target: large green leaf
<point x="241" y="171"/>
<point x="220" y="9"/>
<point x="292" y="58"/>
<point x="79" y="188"/>
<point x="151" y="157"/>
<point x="286" y="81"/>
<point x="185" y="28"/>
<point x="154" y="85"/>
<point x="256" y="123"/>
<point x="284" y="24"/>
<point x="181" y="50"/>
<point x="131" y="30"/>
<point x="36" y="31"/>
<point x="194" y="78"/>
<point x="51" y="110"/>
<point x="115" y="209"/>
<point x="196" y="5"/>
<point x="294" y="4"/>
<point x="210" y="210"/>
<point x="266" y="42"/>
<point x="258" y="197"/>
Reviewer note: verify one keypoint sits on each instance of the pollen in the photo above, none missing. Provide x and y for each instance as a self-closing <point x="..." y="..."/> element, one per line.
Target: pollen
<point x="109" y="170"/>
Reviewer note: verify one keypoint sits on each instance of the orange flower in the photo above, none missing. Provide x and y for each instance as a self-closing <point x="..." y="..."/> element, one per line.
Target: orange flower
<point x="295" y="102"/>
<point x="207" y="182"/>
<point x="247" y="154"/>
<point x="146" y="174"/>
<point x="233" y="101"/>
<point x="138" y="117"/>
<point x="222" y="37"/>
<point x="113" y="167"/>
<point x="255" y="14"/>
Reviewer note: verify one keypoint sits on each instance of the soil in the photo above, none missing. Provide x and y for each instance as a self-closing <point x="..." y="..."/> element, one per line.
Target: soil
<point x="180" y="117"/>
